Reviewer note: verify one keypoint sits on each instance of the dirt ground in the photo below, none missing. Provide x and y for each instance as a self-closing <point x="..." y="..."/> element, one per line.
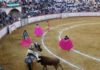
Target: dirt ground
<point x="86" y="39"/>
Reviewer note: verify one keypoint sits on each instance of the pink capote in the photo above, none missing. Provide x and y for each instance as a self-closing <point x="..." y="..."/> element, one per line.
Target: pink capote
<point x="26" y="42"/>
<point x="66" y="44"/>
<point x="38" y="31"/>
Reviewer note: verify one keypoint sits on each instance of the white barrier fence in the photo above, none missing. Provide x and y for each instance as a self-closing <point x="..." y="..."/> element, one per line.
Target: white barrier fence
<point x="18" y="24"/>
<point x="46" y="17"/>
<point x="3" y="32"/>
<point x="14" y="26"/>
<point x="64" y="15"/>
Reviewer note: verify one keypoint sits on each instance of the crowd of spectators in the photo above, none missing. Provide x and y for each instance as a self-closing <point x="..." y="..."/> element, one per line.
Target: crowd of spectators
<point x="5" y="19"/>
<point x="55" y="5"/>
<point x="4" y="3"/>
<point x="43" y="7"/>
<point x="31" y="8"/>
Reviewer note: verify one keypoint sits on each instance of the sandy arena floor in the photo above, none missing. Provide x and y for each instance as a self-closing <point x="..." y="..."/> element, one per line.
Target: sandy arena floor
<point x="84" y="32"/>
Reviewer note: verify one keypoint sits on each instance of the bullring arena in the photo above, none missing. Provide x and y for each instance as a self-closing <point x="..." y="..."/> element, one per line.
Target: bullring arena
<point x="83" y="31"/>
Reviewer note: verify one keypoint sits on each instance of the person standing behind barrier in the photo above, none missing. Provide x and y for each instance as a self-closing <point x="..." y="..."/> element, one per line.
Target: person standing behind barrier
<point x="8" y="31"/>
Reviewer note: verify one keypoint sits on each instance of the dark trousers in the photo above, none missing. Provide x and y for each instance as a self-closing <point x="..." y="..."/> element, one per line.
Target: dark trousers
<point x="29" y="65"/>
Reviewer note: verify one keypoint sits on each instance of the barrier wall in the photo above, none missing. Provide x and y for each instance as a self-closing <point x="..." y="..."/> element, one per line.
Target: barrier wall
<point x="18" y="24"/>
<point x="14" y="26"/>
<point x="3" y="32"/>
<point x="64" y="15"/>
<point x="46" y="17"/>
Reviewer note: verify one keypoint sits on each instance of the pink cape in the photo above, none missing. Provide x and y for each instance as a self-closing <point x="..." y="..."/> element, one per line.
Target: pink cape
<point x="38" y="31"/>
<point x="26" y="42"/>
<point x="66" y="44"/>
